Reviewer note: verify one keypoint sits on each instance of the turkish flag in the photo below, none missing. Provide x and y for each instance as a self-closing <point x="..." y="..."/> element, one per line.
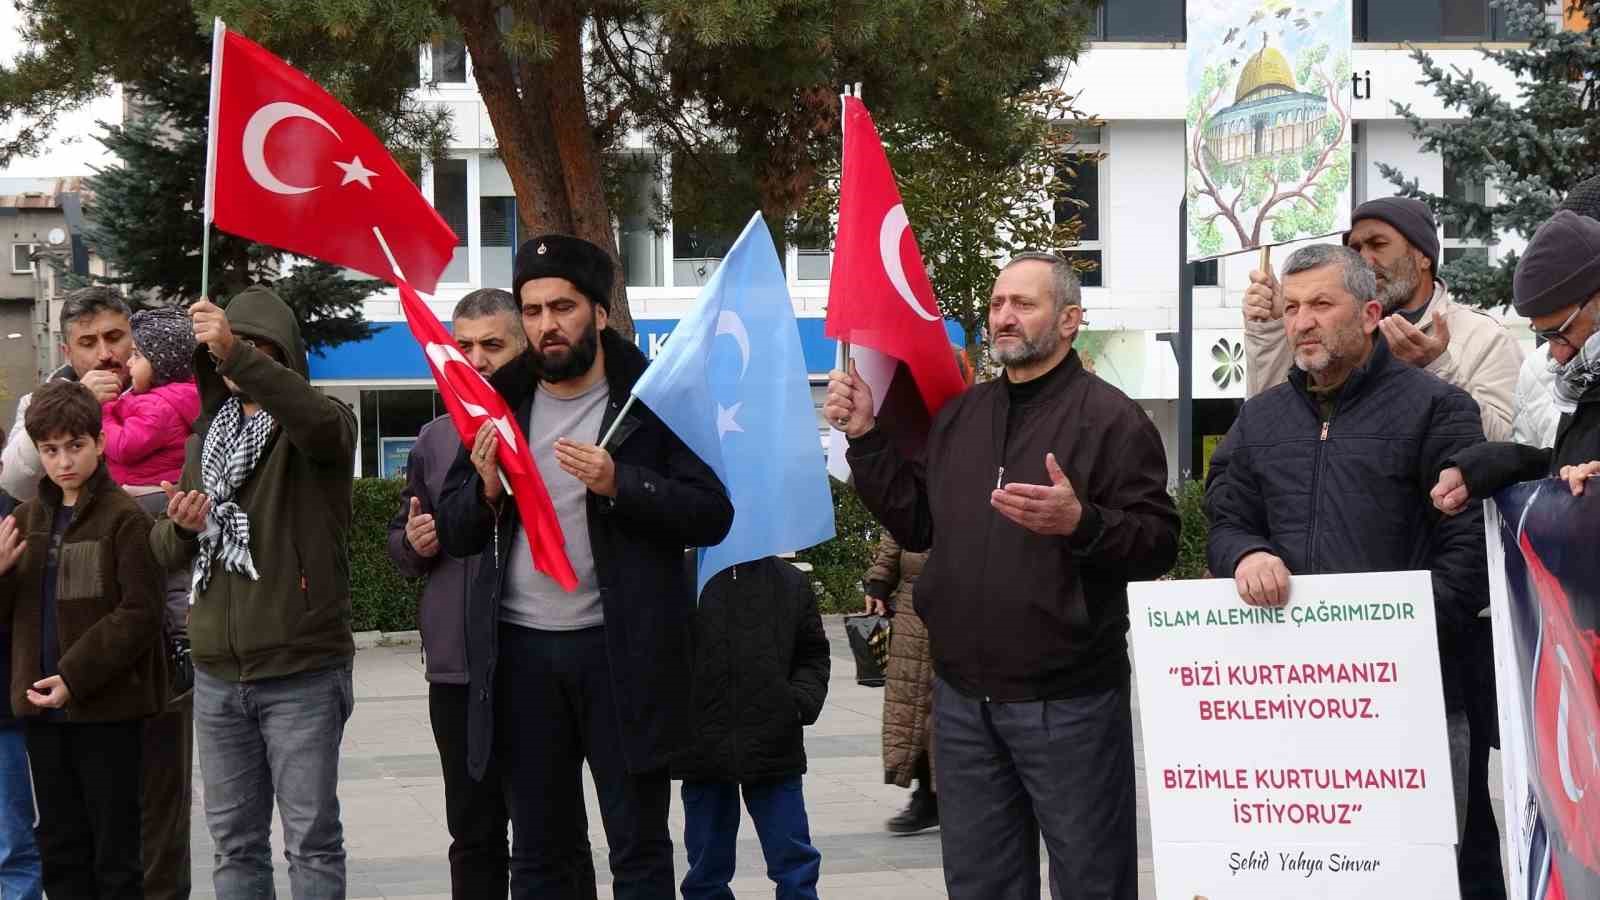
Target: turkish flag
<point x="879" y="297"/>
<point x="471" y="402"/>
<point x="289" y="166"/>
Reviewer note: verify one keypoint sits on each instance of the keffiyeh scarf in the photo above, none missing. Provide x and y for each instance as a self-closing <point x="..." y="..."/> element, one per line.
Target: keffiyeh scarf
<point x="1578" y="377"/>
<point x="229" y="455"/>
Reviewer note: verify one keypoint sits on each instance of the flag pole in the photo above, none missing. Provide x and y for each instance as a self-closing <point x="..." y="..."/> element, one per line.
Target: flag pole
<point x="219" y="33"/>
<point x="617" y="423"/>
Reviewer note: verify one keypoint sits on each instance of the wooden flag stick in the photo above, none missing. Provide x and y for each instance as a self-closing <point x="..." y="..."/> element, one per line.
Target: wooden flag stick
<point x="1266" y="259"/>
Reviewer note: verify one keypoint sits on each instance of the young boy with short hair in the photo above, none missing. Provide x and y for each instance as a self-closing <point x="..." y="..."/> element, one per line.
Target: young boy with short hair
<point x="83" y="593"/>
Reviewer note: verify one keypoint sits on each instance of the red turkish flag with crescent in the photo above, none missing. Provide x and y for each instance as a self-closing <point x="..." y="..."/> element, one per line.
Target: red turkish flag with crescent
<point x="879" y="295"/>
<point x="471" y="402"/>
<point x="291" y="167"/>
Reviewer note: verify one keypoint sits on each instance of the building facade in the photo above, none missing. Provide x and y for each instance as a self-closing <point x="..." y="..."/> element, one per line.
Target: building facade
<point x="1131" y="76"/>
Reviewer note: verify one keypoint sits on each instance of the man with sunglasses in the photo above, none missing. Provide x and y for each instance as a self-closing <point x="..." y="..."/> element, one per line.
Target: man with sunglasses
<point x="1557" y="286"/>
<point x="261" y="518"/>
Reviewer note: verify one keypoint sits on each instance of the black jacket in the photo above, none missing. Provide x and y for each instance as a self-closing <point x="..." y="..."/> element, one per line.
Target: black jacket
<point x="1014" y="615"/>
<point x="667" y="499"/>
<point x="1353" y="496"/>
<point x="760" y="674"/>
<point x="1489" y="467"/>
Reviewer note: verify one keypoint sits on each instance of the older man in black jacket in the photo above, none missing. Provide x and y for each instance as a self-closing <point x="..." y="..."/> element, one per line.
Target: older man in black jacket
<point x="1047" y="493"/>
<point x="601" y="673"/>
<point x="1330" y="472"/>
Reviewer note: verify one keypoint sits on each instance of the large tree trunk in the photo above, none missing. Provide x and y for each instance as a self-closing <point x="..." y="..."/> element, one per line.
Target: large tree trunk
<point x="541" y="125"/>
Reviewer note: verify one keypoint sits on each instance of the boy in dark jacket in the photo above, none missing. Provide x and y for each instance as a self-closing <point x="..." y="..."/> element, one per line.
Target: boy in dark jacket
<point x="84" y="597"/>
<point x="760" y="676"/>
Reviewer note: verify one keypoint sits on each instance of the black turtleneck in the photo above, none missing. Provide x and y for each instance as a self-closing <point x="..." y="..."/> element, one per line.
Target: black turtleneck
<point x="1025" y="393"/>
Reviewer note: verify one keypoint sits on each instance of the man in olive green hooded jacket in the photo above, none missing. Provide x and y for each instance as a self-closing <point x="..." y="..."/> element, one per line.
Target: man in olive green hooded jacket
<point x="262" y="519"/>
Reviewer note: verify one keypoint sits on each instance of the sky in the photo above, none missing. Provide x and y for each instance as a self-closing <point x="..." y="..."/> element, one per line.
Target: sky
<point x="1211" y="20"/>
<point x="73" y="149"/>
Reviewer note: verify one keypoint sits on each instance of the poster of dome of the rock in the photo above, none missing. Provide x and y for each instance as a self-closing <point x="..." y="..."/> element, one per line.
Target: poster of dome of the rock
<point x="1268" y="123"/>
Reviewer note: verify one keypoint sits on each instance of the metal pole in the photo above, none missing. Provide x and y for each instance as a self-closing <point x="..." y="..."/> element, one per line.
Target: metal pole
<point x="1185" y="348"/>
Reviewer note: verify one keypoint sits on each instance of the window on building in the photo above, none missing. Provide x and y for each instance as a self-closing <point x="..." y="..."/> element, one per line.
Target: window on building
<point x="1084" y="201"/>
<point x="1435" y="20"/>
<point x="497" y="240"/>
<point x="1139" y="20"/>
<point x="813" y="255"/>
<point x="1206" y="273"/>
<point x="22" y="258"/>
<point x="641" y="242"/>
<point x="712" y="197"/>
<point x="390" y="420"/>
<point x="1358" y="164"/>
<point x="450" y="200"/>
<point x="449" y="62"/>
<point x="1460" y="185"/>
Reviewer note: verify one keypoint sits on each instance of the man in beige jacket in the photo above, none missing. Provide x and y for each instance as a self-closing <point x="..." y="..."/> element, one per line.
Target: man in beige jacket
<point x="1399" y="239"/>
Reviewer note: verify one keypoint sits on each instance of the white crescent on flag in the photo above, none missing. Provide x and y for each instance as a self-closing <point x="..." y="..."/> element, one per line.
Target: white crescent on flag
<point x="255" y="144"/>
<point x="895" y="224"/>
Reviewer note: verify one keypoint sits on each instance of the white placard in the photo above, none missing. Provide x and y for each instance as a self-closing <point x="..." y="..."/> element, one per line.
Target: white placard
<point x="1297" y="747"/>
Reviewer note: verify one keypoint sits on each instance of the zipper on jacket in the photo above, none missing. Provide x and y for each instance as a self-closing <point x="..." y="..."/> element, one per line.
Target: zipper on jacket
<point x="1325" y="429"/>
<point x="1316" y="479"/>
<point x="1000" y="478"/>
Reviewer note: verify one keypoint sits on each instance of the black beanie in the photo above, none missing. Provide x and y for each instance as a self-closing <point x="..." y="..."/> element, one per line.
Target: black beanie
<point x="563" y="256"/>
<point x="165" y="336"/>
<point x="1411" y="218"/>
<point x="1561" y="267"/>
<point x="1584" y="198"/>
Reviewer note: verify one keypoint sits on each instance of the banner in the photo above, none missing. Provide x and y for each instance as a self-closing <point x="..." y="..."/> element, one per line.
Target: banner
<point x="1268" y="124"/>
<point x="1299" y="751"/>
<point x="1544" y="588"/>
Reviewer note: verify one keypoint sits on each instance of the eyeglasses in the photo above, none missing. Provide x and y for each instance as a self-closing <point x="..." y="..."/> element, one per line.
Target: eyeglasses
<point x="1558" y="335"/>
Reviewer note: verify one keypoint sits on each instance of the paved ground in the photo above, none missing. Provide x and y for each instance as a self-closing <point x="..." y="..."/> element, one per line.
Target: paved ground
<point x="393" y="799"/>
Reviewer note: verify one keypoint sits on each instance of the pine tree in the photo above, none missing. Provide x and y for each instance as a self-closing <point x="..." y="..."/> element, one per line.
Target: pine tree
<point x="1532" y="147"/>
<point x="146" y="222"/>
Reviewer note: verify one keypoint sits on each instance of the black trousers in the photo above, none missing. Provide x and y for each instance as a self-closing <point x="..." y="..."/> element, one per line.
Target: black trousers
<point x="168" y="793"/>
<point x="1010" y="772"/>
<point x="475" y="811"/>
<point x="86" y="778"/>
<point x="1478" y="865"/>
<point x="555" y="710"/>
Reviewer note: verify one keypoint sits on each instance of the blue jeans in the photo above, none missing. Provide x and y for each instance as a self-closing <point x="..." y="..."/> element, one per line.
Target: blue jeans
<point x="19" y="855"/>
<point x="278" y="737"/>
<point x="711" y="830"/>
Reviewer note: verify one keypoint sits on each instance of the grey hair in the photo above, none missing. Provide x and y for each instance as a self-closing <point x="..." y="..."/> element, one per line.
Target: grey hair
<point x="485" y="302"/>
<point x="1066" y="290"/>
<point x="87" y="302"/>
<point x="1359" y="279"/>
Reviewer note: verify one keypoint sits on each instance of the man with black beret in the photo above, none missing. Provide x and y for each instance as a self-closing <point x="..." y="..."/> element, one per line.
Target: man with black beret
<point x="1423" y="325"/>
<point x="599" y="674"/>
<point x="1556" y="286"/>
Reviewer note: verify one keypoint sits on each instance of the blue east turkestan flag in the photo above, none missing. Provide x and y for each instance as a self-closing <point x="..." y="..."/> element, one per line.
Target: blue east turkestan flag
<point x="731" y="383"/>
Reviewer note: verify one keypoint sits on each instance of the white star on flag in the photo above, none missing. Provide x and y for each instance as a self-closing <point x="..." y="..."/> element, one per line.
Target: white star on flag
<point x="355" y="171"/>
<point x="726" y="421"/>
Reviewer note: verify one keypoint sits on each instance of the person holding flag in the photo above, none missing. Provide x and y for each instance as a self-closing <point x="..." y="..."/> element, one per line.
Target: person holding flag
<point x="1046" y="491"/>
<point x="599" y="673"/>
<point x="261" y="515"/>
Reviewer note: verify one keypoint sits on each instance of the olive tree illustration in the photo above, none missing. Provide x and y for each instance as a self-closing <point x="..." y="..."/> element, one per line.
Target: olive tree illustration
<point x="1290" y="195"/>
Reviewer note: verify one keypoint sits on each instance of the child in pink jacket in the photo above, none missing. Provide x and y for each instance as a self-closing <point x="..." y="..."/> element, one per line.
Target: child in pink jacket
<point x="147" y="426"/>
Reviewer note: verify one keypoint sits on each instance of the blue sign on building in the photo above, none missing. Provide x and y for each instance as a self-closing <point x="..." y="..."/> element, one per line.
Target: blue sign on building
<point x="392" y="354"/>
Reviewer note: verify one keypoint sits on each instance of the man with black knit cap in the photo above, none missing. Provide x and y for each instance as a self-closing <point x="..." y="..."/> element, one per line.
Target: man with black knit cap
<point x="1423" y="325"/>
<point x="599" y="674"/>
<point x="1556" y="286"/>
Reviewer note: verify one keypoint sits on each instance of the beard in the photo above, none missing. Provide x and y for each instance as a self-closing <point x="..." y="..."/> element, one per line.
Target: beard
<point x="1398" y="283"/>
<point x="1027" y="350"/>
<point x="573" y="363"/>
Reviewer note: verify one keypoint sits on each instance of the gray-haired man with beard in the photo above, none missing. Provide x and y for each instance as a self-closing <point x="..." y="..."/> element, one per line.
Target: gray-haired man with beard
<point x="1423" y="325"/>
<point x="1049" y="488"/>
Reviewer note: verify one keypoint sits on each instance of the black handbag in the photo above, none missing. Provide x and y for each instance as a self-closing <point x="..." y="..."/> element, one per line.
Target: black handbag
<point x="869" y="642"/>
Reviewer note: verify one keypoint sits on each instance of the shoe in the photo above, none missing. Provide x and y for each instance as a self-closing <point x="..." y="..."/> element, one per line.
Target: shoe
<point x="921" y="814"/>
